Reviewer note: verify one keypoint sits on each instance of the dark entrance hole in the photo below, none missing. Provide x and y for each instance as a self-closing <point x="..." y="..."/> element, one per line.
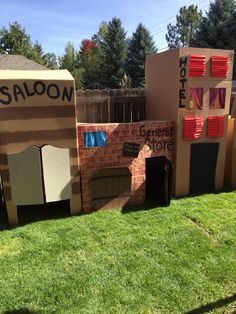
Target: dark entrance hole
<point x="203" y="162"/>
<point x="52" y="210"/>
<point x="159" y="179"/>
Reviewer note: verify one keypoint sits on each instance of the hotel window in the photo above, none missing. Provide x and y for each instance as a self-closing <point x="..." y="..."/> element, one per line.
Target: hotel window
<point x="217" y="98"/>
<point x="219" y="66"/>
<point x="94" y="139"/>
<point x="192" y="127"/>
<point x="215" y="126"/>
<point x="197" y="65"/>
<point x="196" y="97"/>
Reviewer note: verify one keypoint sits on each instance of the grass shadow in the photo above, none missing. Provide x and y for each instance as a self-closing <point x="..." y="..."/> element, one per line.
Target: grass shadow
<point x="141" y="207"/>
<point x="21" y="311"/>
<point x="53" y="210"/>
<point x="32" y="213"/>
<point x="214" y="305"/>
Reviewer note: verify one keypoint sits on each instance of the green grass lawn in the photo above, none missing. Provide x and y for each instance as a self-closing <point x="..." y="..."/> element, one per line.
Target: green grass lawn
<point x="161" y="260"/>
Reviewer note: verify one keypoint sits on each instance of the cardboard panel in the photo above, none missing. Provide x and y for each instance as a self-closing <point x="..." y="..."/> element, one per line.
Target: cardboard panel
<point x="229" y="150"/>
<point x="25" y="177"/>
<point x="56" y="173"/>
<point x="234" y="168"/>
<point x="110" y="188"/>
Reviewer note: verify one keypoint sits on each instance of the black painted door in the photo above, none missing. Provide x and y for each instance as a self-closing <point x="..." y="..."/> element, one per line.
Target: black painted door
<point x="159" y="180"/>
<point x="203" y="162"/>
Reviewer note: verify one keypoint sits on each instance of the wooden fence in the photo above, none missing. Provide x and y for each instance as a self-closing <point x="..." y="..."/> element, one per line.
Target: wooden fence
<point x="104" y="106"/>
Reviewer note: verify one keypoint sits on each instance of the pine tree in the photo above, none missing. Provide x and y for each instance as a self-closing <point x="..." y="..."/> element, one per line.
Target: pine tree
<point x="217" y="27"/>
<point x="114" y="50"/>
<point x="184" y="31"/>
<point x="140" y="45"/>
<point x="37" y="53"/>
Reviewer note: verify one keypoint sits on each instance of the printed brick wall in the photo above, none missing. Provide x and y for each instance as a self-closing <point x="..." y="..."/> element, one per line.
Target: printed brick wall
<point x="155" y="139"/>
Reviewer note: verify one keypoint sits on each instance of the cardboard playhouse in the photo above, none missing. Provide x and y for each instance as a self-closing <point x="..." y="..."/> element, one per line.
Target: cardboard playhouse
<point x="185" y="145"/>
<point x="192" y="87"/>
<point x="38" y="139"/>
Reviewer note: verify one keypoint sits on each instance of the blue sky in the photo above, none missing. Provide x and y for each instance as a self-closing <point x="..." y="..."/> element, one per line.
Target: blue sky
<point x="55" y="22"/>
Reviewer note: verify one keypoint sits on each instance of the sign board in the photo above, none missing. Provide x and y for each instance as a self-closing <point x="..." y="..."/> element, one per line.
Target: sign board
<point x="131" y="149"/>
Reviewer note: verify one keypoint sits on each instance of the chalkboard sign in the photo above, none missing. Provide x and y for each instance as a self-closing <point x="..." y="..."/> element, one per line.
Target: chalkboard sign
<point x="131" y="149"/>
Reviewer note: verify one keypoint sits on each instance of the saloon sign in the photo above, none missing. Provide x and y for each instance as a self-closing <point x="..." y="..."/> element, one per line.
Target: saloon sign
<point x="22" y="91"/>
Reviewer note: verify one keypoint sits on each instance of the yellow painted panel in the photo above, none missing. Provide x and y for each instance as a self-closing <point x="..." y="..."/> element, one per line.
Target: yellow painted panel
<point x="25" y="177"/>
<point x="56" y="173"/>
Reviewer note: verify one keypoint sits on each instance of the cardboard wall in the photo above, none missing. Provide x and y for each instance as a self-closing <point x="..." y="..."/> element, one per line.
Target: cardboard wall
<point x="161" y="74"/>
<point x="229" y="152"/>
<point x="234" y="157"/>
<point x="111" y="155"/>
<point x="37" y="108"/>
<point x="168" y="83"/>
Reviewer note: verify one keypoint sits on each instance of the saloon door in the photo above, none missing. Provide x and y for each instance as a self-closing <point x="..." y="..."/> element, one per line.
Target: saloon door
<point x="39" y="176"/>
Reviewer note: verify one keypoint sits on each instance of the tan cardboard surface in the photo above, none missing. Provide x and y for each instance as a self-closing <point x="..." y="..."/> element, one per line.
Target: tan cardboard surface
<point x="208" y="53"/>
<point x="38" y="108"/>
<point x="162" y="86"/>
<point x="36" y="75"/>
<point x="228" y="157"/>
<point x="234" y="168"/>
<point x="184" y="148"/>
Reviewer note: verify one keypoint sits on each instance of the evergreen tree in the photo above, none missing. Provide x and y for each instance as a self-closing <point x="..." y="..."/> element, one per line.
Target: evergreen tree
<point x="184" y="31"/>
<point x="140" y="45"/>
<point x="217" y="27"/>
<point x="114" y="50"/>
<point x="37" y="53"/>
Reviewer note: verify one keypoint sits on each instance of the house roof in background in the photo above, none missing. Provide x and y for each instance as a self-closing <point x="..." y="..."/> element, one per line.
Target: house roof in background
<point x="18" y="62"/>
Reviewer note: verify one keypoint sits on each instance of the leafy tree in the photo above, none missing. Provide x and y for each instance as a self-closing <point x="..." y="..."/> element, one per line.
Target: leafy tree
<point x="51" y="60"/>
<point x="90" y="57"/>
<point x="98" y="38"/>
<point x="15" y="40"/>
<point x="140" y="45"/>
<point x="114" y="50"/>
<point x="184" y="31"/>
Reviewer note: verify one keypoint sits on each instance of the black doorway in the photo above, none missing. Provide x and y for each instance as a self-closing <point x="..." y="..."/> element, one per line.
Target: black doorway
<point x="203" y="162"/>
<point x="159" y="180"/>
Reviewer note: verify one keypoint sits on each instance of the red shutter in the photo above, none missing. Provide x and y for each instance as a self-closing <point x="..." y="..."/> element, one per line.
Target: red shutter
<point x="197" y="65"/>
<point x="215" y="126"/>
<point x="221" y="126"/>
<point x="219" y="66"/>
<point x="192" y="127"/>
